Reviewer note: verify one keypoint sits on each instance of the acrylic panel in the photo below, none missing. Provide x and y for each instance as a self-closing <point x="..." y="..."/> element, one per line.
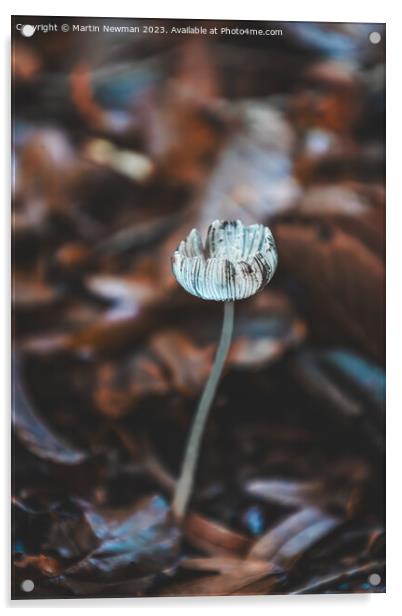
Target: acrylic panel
<point x="198" y="232"/>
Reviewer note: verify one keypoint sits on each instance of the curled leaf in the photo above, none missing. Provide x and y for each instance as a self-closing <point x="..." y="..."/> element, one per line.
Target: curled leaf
<point x="35" y="434"/>
<point x="133" y="543"/>
<point x="288" y="541"/>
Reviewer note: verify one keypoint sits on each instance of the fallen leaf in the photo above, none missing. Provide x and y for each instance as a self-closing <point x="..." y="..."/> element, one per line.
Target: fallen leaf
<point x="288" y="541"/>
<point x="252" y="180"/>
<point x="340" y="284"/>
<point x="45" y="564"/>
<point x="351" y="384"/>
<point x="212" y="537"/>
<point x="236" y="576"/>
<point x="134" y="543"/>
<point x="34" y="432"/>
<point x="284" y="491"/>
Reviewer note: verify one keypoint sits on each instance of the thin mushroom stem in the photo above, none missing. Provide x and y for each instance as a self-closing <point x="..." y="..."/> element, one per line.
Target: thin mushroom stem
<point x="185" y="483"/>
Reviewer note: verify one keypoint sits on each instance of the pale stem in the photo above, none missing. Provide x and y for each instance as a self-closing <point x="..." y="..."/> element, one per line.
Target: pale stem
<point x="185" y="483"/>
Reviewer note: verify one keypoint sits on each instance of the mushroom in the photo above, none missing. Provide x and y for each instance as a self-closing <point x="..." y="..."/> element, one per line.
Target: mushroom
<point x="236" y="262"/>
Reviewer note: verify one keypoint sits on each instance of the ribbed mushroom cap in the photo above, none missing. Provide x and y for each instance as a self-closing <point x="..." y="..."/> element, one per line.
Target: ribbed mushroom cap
<point x="235" y="263"/>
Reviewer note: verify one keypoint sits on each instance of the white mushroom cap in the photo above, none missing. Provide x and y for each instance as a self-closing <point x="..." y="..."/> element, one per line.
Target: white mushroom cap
<point x="235" y="263"/>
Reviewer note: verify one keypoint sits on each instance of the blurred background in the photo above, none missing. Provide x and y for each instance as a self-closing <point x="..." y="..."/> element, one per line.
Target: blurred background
<point x="122" y="143"/>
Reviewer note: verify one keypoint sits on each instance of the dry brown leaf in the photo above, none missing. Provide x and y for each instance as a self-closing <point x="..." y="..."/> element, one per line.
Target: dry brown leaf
<point x="233" y="580"/>
<point x="341" y="282"/>
<point x="212" y="537"/>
